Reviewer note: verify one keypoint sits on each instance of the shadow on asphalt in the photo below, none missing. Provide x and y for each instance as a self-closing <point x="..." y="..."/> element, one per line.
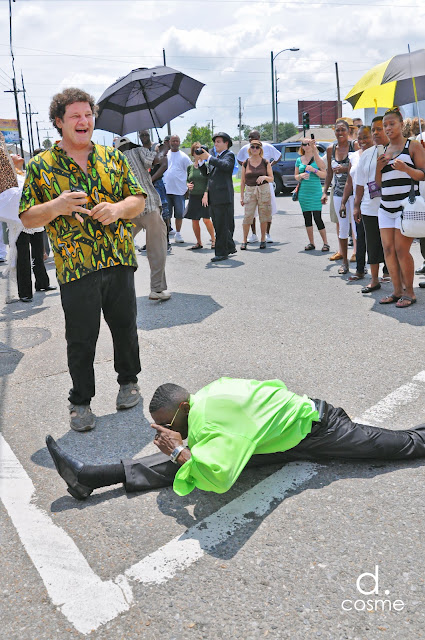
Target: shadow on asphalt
<point x="117" y="436"/>
<point x="203" y="504"/>
<point x="180" y="309"/>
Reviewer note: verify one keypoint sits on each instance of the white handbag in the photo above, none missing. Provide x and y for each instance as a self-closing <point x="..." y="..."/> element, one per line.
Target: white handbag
<point x="413" y="215"/>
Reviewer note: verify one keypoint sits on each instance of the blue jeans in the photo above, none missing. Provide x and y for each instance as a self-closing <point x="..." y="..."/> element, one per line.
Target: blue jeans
<point x="160" y="187"/>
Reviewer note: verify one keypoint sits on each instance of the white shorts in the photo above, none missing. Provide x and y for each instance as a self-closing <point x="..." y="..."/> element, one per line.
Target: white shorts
<point x="388" y="222"/>
<point x="344" y="223"/>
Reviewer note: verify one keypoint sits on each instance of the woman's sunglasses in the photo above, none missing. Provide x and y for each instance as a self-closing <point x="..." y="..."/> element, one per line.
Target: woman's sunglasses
<point x="255" y="146"/>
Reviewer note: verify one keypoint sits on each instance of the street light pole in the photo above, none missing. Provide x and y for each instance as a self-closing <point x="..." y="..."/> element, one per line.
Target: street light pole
<point x="274" y="99"/>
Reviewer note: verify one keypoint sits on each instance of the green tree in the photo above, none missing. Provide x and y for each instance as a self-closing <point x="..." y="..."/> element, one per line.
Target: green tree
<point x="47" y="143"/>
<point x="285" y="130"/>
<point x="198" y="134"/>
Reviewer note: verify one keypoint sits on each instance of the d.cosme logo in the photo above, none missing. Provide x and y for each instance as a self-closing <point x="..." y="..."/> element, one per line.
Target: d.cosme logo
<point x="376" y="604"/>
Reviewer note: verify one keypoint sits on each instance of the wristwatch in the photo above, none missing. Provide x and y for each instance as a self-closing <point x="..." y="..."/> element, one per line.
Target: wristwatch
<point x="175" y="453"/>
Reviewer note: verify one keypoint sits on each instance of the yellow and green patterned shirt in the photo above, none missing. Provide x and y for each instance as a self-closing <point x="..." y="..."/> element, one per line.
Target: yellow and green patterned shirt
<point x="79" y="248"/>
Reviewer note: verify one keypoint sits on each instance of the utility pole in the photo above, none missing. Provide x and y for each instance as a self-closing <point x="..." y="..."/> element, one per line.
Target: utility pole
<point x="277" y="115"/>
<point x="26" y="115"/>
<point x="38" y="135"/>
<point x="240" y="123"/>
<point x="273" y="99"/>
<point x="339" y="104"/>
<point x="15" y="90"/>
<point x="165" y="64"/>
<point x="31" y="114"/>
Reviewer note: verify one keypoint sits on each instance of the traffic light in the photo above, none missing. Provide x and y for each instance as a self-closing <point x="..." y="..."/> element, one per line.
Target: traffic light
<point x="306" y="120"/>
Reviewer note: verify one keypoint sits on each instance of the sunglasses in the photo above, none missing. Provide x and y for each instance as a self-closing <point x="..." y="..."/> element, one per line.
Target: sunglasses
<point x="255" y="146"/>
<point x="169" y="426"/>
<point x="392" y="110"/>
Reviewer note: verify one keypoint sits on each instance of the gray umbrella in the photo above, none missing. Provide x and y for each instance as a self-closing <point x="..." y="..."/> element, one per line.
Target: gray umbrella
<point x="145" y="99"/>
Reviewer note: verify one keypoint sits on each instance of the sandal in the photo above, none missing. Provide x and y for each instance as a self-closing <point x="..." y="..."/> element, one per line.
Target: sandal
<point x="407" y="299"/>
<point x="390" y="299"/>
<point x="325" y="247"/>
<point x="263" y="244"/>
<point x="356" y="276"/>
<point x="336" y="256"/>
<point x="197" y="246"/>
<point x="243" y="246"/>
<point x="309" y="247"/>
<point x="343" y="269"/>
<point x="369" y="289"/>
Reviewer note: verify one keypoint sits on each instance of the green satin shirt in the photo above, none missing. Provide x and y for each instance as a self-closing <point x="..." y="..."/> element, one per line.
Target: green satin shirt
<point x="232" y="419"/>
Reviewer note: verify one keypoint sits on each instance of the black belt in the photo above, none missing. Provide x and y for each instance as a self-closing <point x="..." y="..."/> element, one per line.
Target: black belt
<point x="322" y="408"/>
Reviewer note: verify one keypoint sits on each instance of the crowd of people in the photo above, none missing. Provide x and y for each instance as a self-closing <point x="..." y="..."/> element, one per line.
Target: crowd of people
<point x="93" y="199"/>
<point x="370" y="171"/>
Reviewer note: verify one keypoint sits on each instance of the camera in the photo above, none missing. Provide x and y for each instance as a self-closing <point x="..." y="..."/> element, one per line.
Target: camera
<point x="201" y="149"/>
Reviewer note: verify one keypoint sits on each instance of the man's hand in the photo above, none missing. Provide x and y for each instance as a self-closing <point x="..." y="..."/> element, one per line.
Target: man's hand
<point x="70" y="202"/>
<point x="203" y="156"/>
<point x="357" y="215"/>
<point x="105" y="212"/>
<point x="166" y="440"/>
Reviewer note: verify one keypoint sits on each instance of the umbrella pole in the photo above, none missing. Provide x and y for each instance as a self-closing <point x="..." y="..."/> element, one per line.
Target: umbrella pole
<point x="150" y="112"/>
<point x="416" y="94"/>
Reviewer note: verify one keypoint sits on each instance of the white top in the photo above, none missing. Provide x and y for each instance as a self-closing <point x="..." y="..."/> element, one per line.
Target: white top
<point x="175" y="178"/>
<point x="269" y="152"/>
<point x="366" y="173"/>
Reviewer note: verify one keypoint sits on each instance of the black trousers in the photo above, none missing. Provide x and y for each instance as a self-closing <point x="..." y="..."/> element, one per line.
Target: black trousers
<point x="23" y="265"/>
<point x="336" y="436"/>
<point x="223" y="217"/>
<point x="360" y="247"/>
<point x="112" y="291"/>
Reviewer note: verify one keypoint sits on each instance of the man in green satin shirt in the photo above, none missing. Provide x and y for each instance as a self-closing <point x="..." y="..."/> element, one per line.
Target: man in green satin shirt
<point x="230" y="424"/>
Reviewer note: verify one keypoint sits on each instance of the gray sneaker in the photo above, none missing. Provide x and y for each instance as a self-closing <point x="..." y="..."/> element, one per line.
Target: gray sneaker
<point x="128" y="396"/>
<point x="81" y="417"/>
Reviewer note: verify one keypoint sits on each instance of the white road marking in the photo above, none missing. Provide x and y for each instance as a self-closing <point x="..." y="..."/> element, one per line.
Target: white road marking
<point x="381" y="413"/>
<point x="81" y="595"/>
<point x="182" y="551"/>
<point x="72" y="585"/>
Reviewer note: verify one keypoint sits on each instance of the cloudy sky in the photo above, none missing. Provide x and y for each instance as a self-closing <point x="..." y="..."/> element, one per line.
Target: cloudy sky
<point x="224" y="43"/>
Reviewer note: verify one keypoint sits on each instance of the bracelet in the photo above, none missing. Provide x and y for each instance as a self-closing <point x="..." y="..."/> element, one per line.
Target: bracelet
<point x="175" y="453"/>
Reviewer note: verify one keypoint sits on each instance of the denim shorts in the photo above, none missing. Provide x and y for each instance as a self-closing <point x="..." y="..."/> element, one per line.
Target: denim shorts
<point x="176" y="204"/>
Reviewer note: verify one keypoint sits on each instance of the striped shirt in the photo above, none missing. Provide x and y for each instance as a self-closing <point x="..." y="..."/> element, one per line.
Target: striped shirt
<point x="396" y="185"/>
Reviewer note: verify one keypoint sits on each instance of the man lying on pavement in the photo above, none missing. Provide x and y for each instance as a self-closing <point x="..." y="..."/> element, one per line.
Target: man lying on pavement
<point x="230" y="424"/>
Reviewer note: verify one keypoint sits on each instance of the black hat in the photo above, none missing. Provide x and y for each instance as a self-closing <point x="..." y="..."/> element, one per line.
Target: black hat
<point x="225" y="137"/>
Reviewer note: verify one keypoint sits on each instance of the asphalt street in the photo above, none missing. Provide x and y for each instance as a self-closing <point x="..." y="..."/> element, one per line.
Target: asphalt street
<point x="281" y="555"/>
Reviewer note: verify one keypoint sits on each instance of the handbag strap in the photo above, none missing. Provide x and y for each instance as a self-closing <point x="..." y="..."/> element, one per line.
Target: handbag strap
<point x="412" y="196"/>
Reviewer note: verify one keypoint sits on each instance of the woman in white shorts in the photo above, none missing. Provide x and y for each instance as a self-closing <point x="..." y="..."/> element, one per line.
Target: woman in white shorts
<point x="402" y="162"/>
<point x="337" y="172"/>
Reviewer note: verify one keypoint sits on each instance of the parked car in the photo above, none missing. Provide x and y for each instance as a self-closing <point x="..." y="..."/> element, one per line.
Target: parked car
<point x="284" y="170"/>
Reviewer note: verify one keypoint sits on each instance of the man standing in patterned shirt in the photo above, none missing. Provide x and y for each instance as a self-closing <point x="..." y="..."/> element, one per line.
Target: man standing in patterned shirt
<point x="86" y="195"/>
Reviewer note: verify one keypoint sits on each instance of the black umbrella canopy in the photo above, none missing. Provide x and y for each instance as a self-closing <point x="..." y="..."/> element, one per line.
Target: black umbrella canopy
<point x="145" y="99"/>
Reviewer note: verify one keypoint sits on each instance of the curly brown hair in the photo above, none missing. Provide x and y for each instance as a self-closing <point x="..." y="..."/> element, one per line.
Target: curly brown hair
<point x="60" y="101"/>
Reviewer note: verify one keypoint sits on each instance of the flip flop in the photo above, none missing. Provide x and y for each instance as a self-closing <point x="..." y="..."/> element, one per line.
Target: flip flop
<point x="343" y="269"/>
<point x="370" y="289"/>
<point x="356" y="276"/>
<point x="390" y="299"/>
<point x="407" y="299"/>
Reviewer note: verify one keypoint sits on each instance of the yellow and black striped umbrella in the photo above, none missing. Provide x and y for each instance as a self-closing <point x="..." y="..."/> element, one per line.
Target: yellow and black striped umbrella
<point x="399" y="80"/>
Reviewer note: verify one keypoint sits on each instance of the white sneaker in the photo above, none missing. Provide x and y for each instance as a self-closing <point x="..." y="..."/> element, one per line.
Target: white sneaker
<point x="178" y="238"/>
<point x="268" y="239"/>
<point x="159" y="295"/>
<point x="252" y="238"/>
